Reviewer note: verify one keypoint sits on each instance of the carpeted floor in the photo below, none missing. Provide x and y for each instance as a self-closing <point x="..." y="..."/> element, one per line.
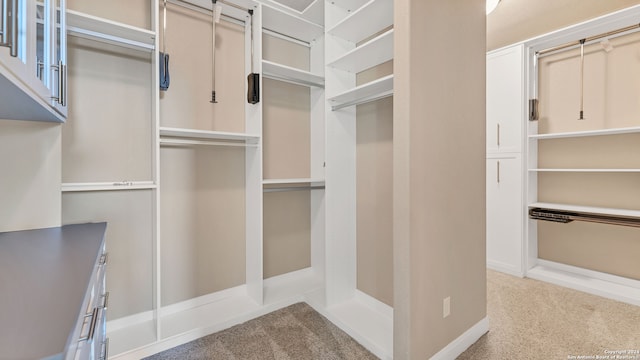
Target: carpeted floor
<point x="296" y="332"/>
<point x="530" y="319"/>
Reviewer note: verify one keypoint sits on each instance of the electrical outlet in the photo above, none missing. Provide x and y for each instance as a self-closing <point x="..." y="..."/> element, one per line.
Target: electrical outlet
<point x="446" y="307"/>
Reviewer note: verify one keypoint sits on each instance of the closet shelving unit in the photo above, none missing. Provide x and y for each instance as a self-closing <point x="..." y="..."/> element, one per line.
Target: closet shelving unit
<point x="180" y="136"/>
<point x="109" y="31"/>
<point x="596" y="282"/>
<point x="135" y="330"/>
<point x="364" y="22"/>
<point x="355" y="30"/>
<point x="300" y="28"/>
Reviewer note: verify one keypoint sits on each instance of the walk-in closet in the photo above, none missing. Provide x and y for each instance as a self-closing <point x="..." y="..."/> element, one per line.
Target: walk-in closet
<point x="243" y="154"/>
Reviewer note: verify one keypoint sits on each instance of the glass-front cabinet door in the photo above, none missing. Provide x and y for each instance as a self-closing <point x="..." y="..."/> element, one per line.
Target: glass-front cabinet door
<point x="13" y="41"/>
<point x="58" y="55"/>
<point x="50" y="52"/>
<point x="33" y="59"/>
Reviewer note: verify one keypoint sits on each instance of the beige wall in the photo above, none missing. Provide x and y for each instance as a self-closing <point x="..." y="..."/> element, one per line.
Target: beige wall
<point x="113" y="145"/>
<point x="287" y="236"/>
<point x="202" y="197"/>
<point x="130" y="12"/>
<point x="439" y="173"/>
<point x="30" y="176"/>
<point x="518" y="20"/>
<point x="129" y="241"/>
<point x="187" y="102"/>
<point x="374" y="195"/>
<point x="374" y="175"/>
<point x="286" y="154"/>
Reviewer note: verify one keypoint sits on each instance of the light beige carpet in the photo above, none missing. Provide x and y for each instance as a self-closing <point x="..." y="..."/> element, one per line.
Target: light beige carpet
<point x="296" y="332"/>
<point x="530" y="319"/>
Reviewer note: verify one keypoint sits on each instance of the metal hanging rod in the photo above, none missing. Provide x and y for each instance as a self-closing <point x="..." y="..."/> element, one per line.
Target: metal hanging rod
<point x="207" y="11"/>
<point x="587" y="40"/>
<point x="188" y="142"/>
<point x="293" y="188"/>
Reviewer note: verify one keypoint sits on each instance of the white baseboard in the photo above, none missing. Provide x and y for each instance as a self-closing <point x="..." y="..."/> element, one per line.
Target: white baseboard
<point x="589" y="281"/>
<point x="505" y="268"/>
<point x="462" y="343"/>
<point x="366" y="320"/>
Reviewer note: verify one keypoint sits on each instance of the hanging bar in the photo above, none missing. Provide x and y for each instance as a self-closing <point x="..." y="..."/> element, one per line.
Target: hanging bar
<point x="186" y="142"/>
<point x="293" y="188"/>
<point x="569" y="216"/>
<point x="587" y="40"/>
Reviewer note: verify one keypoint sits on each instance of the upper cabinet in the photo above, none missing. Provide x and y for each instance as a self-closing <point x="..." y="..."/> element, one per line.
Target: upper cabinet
<point x="505" y="100"/>
<point x="33" y="60"/>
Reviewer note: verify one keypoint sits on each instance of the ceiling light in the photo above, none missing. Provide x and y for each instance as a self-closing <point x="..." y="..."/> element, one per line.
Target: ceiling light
<point x="491" y="5"/>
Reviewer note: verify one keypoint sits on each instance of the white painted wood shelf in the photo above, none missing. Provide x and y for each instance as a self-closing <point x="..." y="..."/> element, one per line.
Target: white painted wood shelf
<point x="96" y="28"/>
<point x="374" y="52"/>
<point x="293" y="181"/>
<point x="204" y="136"/>
<point x="371" y="91"/>
<point x="587" y="209"/>
<point x="290" y="25"/>
<point x="371" y="18"/>
<point x="290" y="74"/>
<point x="616" y="131"/>
<point x="588" y="170"/>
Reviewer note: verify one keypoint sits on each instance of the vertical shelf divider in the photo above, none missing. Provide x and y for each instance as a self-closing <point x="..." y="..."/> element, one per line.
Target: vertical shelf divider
<point x="253" y="163"/>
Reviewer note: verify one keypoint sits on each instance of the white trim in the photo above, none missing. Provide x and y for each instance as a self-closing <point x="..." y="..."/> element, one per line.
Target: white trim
<point x="589" y="281"/>
<point x="203" y="300"/>
<point x="361" y="319"/>
<point x="464" y="341"/>
<point x="127" y="321"/>
<point x="375" y="304"/>
<point x="505" y="268"/>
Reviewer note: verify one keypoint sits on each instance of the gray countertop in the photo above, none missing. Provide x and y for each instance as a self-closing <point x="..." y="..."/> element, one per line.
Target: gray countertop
<point x="44" y="276"/>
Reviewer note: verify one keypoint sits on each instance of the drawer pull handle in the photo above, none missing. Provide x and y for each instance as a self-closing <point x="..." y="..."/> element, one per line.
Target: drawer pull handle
<point x="92" y="325"/>
<point x="105" y="353"/>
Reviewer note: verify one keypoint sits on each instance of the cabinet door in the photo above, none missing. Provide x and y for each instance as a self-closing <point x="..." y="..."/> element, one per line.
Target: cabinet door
<point x="13" y="41"/>
<point x="505" y="100"/>
<point x="504" y="214"/>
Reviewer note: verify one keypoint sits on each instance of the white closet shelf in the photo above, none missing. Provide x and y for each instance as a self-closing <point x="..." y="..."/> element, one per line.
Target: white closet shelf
<point x="374" y="52"/>
<point x="290" y="25"/>
<point x="290" y="74"/>
<point x="587" y="209"/>
<point x="371" y="91"/>
<point x="108" y="186"/>
<point x="371" y="18"/>
<point x="96" y="28"/>
<point x="616" y="131"/>
<point x="588" y="170"/>
<point x="205" y="135"/>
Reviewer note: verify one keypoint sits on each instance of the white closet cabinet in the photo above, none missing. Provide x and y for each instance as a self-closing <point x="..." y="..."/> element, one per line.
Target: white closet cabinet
<point x="505" y="114"/>
<point x="504" y="214"/>
<point x="505" y="100"/>
<point x="33" y="60"/>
